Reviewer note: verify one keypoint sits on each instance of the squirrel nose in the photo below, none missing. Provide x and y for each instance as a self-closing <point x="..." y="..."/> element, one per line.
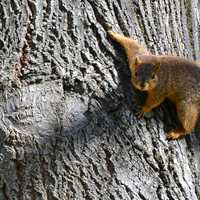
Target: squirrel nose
<point x="142" y="84"/>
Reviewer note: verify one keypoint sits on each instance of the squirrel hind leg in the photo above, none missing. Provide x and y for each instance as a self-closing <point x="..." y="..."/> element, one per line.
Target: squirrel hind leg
<point x="176" y="134"/>
<point x="188" y="115"/>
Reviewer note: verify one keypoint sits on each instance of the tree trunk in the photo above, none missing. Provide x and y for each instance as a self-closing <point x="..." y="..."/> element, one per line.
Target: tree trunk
<point x="68" y="128"/>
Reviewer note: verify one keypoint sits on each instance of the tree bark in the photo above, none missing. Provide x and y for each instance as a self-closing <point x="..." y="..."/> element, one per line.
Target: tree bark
<point x="68" y="128"/>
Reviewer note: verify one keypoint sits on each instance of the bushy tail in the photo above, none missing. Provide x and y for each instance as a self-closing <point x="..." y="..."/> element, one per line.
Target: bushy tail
<point x="131" y="46"/>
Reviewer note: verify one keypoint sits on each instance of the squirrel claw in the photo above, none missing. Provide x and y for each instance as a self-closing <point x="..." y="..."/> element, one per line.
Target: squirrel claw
<point x="140" y="113"/>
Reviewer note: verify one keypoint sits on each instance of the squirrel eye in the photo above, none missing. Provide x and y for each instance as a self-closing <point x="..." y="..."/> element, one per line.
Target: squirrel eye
<point x="153" y="76"/>
<point x="136" y="73"/>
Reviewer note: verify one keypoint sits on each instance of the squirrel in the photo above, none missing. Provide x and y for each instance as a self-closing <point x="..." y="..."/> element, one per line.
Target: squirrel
<point x="164" y="76"/>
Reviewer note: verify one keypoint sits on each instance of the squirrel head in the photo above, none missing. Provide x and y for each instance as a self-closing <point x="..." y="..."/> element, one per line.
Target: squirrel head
<point x="145" y="76"/>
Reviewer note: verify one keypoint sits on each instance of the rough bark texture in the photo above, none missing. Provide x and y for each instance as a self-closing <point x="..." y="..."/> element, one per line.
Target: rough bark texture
<point x="68" y="128"/>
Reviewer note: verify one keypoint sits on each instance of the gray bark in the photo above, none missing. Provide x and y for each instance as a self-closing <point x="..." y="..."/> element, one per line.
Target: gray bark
<point x="68" y="128"/>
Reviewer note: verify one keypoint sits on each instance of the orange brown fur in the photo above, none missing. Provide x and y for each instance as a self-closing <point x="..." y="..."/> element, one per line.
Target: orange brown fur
<point x="131" y="46"/>
<point x="177" y="79"/>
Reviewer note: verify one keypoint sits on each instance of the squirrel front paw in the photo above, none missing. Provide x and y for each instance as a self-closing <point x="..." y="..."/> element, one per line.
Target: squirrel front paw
<point x="141" y="111"/>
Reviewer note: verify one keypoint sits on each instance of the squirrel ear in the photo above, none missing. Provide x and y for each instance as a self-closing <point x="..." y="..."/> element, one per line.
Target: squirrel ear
<point x="137" y="61"/>
<point x="157" y="67"/>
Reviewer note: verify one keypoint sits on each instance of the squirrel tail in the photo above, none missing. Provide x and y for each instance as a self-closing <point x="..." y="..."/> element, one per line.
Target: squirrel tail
<point x="131" y="46"/>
